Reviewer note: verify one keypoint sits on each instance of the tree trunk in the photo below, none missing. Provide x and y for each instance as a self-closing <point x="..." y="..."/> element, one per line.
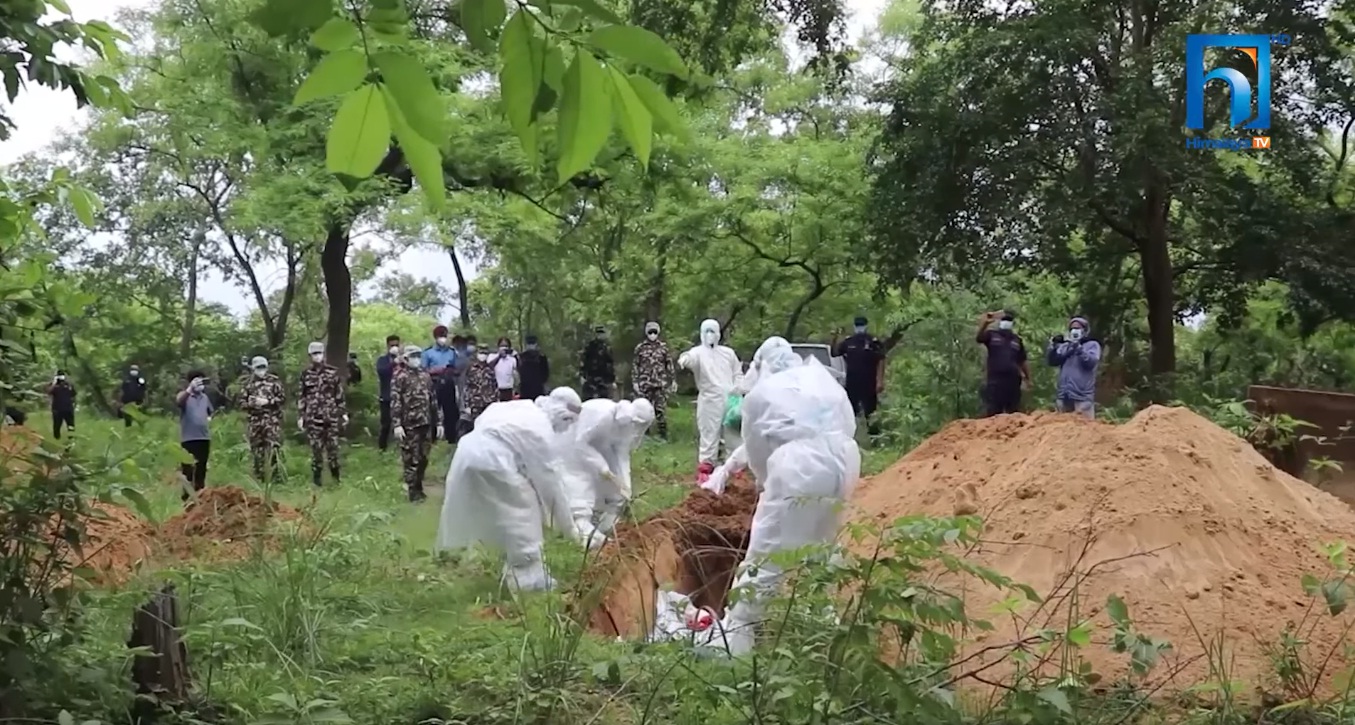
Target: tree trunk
<point x="339" y="293"/>
<point x="462" y="291"/>
<point x="814" y="293"/>
<point x="1160" y="296"/>
<point x="190" y="311"/>
<point x="279" y="331"/>
<point x="654" y="300"/>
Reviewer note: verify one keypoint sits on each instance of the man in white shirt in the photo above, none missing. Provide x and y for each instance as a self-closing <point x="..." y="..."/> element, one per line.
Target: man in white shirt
<point x="505" y="364"/>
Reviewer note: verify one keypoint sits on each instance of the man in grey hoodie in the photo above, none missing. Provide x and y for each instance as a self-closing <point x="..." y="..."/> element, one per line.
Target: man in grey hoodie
<point x="1077" y="357"/>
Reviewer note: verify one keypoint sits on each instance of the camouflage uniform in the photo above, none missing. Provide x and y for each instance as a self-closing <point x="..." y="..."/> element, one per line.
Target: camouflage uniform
<point x="414" y="408"/>
<point x="598" y="370"/>
<point x="652" y="372"/>
<point x="264" y="422"/>
<point x="322" y="412"/>
<point x="481" y="390"/>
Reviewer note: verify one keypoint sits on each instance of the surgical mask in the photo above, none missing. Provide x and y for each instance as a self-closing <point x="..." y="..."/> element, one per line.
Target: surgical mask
<point x="196" y="387"/>
<point x="1005" y="325"/>
<point x="317" y="357"/>
<point x="442" y="342"/>
<point x="60" y="378"/>
<point x="260" y="372"/>
<point x="602" y="336"/>
<point x="134" y="372"/>
<point x="503" y="348"/>
<point x="652" y="334"/>
<point x="1075" y="334"/>
<point x="531" y="346"/>
<point x="482" y="356"/>
<point x="414" y="361"/>
<point x="709" y="339"/>
<point x="860" y="329"/>
<point x="470" y="349"/>
<point x="394" y="350"/>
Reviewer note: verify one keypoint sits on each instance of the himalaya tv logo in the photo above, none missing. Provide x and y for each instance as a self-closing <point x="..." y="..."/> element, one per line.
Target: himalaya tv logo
<point x="1240" y="91"/>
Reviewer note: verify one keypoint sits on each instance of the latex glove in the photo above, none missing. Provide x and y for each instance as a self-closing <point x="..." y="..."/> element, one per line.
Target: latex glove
<point x="1026" y="384"/>
<point x="345" y="419"/>
<point x="716" y="483"/>
<point x="301" y="424"/>
<point x="260" y="401"/>
<point x="672" y="388"/>
<point x="399" y="432"/>
<point x="439" y="433"/>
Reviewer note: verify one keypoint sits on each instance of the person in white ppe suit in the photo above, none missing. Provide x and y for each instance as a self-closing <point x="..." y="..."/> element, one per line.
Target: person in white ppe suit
<point x="718" y="373"/>
<point x="598" y="470"/>
<point x="798" y="433"/>
<point x="504" y="478"/>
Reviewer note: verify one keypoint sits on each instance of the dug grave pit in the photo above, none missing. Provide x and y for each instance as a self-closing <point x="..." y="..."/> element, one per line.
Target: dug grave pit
<point x="692" y="549"/>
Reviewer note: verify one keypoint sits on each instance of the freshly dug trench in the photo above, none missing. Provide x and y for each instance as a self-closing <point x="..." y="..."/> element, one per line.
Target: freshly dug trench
<point x="692" y="549"/>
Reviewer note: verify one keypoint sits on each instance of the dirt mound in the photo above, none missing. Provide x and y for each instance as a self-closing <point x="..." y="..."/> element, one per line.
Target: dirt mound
<point x="223" y="523"/>
<point x="1195" y="528"/>
<point x="692" y="549"/>
<point x="117" y="542"/>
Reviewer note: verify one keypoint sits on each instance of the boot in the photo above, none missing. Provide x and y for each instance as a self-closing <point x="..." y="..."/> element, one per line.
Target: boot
<point x="416" y="495"/>
<point x="528" y="576"/>
<point x="315" y="478"/>
<point x="703" y="471"/>
<point x="335" y="473"/>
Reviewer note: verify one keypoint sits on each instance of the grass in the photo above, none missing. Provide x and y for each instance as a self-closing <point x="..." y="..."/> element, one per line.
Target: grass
<point x="355" y="619"/>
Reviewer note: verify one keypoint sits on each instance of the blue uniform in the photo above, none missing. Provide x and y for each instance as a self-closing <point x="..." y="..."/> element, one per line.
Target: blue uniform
<point x="436" y="357"/>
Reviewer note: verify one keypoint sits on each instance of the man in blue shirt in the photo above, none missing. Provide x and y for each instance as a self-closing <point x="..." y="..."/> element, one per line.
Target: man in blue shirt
<point x="385" y="368"/>
<point x="438" y="361"/>
<point x="1077" y="357"/>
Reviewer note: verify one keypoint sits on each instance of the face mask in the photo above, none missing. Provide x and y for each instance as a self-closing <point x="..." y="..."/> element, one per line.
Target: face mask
<point x="196" y="388"/>
<point x="135" y="372"/>
<point x="60" y="378"/>
<point x="503" y="347"/>
<point x="482" y="357"/>
<point x="318" y="357"/>
<point x="860" y="329"/>
<point x="442" y="342"/>
<point x="470" y="349"/>
<point x="394" y="350"/>
<point x="531" y="346"/>
<point x="652" y="334"/>
<point x="1075" y="334"/>
<point x="709" y="338"/>
<point x="1005" y="325"/>
<point x="260" y="372"/>
<point x="413" y="362"/>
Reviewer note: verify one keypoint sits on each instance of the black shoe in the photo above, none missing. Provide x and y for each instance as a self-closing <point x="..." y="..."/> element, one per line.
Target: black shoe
<point x="315" y="479"/>
<point x="335" y="473"/>
<point x="417" y="496"/>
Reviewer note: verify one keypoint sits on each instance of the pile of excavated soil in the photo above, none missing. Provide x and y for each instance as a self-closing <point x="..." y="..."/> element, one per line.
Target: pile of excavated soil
<point x="224" y="523"/>
<point x="117" y="541"/>
<point x="692" y="549"/>
<point x="1185" y="521"/>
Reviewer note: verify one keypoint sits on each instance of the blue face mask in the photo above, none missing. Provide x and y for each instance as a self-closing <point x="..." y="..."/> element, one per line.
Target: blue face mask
<point x="860" y="329"/>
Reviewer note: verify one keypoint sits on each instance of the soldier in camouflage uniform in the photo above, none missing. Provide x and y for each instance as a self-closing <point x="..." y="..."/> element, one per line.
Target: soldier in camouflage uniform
<point x="481" y="387"/>
<point x="321" y="410"/>
<point x="597" y="368"/>
<point x="653" y="376"/>
<point x="260" y="396"/>
<point x="414" y="413"/>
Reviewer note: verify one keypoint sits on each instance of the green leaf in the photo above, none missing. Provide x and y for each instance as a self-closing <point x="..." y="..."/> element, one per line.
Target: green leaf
<point x="424" y="158"/>
<point x="65" y="718"/>
<point x="337" y="34"/>
<point x="1081" y="635"/>
<point x="553" y="69"/>
<point x="139" y="502"/>
<point x="84" y="203"/>
<point x="666" y="117"/>
<point x="589" y="7"/>
<point x="1336" y="595"/>
<point x="310" y="14"/>
<point x="520" y="79"/>
<point x="1056" y="697"/>
<point x="413" y="91"/>
<point x="637" y="123"/>
<point x="479" y="18"/>
<point x="60" y="5"/>
<point x="638" y="46"/>
<point x="361" y="134"/>
<point x="340" y="72"/>
<point x="1117" y="609"/>
<point x="585" y="116"/>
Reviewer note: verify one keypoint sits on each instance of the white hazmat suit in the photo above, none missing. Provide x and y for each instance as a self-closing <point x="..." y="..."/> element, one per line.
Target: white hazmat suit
<point x="504" y="477"/>
<point x="598" y="467"/>
<point x="718" y="373"/>
<point x="798" y="433"/>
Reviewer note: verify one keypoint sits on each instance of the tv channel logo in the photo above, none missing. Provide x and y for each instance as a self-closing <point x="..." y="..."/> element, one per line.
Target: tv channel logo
<point x="1240" y="90"/>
